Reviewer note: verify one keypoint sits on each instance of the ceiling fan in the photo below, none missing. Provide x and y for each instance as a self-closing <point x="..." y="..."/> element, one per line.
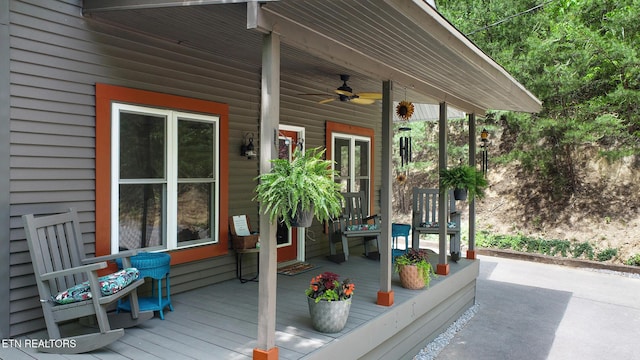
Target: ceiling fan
<point x="345" y="93"/>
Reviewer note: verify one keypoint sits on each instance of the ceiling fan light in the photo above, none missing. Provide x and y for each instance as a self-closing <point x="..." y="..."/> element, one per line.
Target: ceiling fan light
<point x="344" y="90"/>
<point x="344" y="97"/>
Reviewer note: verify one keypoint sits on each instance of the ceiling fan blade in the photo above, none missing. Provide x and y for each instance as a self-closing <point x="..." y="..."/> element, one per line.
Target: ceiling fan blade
<point x="343" y="92"/>
<point x="326" y="101"/>
<point x="370" y="95"/>
<point x="362" y="101"/>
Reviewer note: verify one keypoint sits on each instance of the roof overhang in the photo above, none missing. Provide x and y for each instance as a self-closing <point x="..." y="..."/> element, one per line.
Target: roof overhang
<point x="406" y="41"/>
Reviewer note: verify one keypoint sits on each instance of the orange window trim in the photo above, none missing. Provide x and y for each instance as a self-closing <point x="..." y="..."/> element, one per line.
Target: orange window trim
<point x="105" y="95"/>
<point x="334" y="127"/>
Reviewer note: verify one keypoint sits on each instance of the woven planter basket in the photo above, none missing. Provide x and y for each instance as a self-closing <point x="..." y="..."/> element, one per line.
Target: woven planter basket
<point x="410" y="277"/>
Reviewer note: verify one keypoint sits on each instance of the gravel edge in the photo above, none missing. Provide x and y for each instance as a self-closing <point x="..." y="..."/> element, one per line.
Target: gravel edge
<point x="439" y="343"/>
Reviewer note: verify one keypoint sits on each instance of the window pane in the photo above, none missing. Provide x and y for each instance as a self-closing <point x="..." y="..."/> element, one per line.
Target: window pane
<point x="362" y="159"/>
<point x="195" y="149"/>
<point x="140" y="217"/>
<point x="284" y="148"/>
<point x="142" y="144"/>
<point x="342" y="157"/>
<point x="341" y="154"/>
<point x="284" y="152"/>
<point x="194" y="211"/>
<point x="363" y="185"/>
<point x="282" y="234"/>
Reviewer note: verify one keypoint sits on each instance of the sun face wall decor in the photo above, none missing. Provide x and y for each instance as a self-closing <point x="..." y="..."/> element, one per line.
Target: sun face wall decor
<point x="404" y="110"/>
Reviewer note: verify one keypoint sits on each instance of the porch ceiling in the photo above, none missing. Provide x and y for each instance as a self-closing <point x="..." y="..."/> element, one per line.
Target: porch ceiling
<point x="406" y="41"/>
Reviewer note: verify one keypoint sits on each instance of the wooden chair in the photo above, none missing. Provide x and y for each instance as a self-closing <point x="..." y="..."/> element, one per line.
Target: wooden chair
<point x="355" y="222"/>
<point x="55" y="244"/>
<point x="425" y="218"/>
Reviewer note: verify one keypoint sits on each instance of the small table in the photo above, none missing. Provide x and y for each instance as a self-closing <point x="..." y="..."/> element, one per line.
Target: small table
<point x="239" y="254"/>
<point x="398" y="230"/>
<point x="155" y="266"/>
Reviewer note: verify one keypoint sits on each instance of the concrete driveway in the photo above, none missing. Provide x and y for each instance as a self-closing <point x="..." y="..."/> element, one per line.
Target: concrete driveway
<point x="529" y="310"/>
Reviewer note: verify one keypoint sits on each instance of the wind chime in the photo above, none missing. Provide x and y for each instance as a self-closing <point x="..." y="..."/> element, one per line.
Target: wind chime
<point x="484" y="145"/>
<point x="404" y="110"/>
<point x="405" y="147"/>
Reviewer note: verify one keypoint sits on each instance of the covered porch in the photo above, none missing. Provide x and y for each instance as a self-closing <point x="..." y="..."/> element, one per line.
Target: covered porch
<point x="269" y="61"/>
<point x="221" y="321"/>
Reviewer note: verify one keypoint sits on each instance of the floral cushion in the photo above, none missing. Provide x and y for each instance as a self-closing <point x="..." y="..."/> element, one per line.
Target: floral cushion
<point x="362" y="227"/>
<point x="109" y="285"/>
<point x="450" y="224"/>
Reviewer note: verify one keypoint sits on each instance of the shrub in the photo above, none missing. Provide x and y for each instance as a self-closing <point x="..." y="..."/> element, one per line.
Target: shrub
<point x="607" y="254"/>
<point x="582" y="249"/>
<point x="634" y="260"/>
<point x="561" y="247"/>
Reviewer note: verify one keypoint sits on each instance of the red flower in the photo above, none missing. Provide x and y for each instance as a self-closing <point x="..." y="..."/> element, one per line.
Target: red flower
<point x="327" y="286"/>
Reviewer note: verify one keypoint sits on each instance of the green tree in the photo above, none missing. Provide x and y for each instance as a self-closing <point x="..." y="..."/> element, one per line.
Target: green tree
<point x="580" y="57"/>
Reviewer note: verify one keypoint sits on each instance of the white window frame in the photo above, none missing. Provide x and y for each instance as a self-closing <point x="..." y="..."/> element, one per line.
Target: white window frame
<point x="352" y="154"/>
<point x="170" y="209"/>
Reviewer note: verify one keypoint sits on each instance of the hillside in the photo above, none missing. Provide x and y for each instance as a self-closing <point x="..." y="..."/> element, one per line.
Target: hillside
<point x="605" y="211"/>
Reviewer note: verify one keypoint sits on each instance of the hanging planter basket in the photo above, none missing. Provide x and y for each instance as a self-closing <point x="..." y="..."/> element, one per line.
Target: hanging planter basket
<point x="303" y="218"/>
<point x="460" y="194"/>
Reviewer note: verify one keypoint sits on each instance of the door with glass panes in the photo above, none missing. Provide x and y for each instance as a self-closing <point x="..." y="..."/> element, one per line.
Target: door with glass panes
<point x="287" y="238"/>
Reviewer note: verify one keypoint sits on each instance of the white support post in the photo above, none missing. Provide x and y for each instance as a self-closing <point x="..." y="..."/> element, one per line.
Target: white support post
<point x="471" y="251"/>
<point x="269" y="121"/>
<point x="443" y="266"/>
<point x="385" y="295"/>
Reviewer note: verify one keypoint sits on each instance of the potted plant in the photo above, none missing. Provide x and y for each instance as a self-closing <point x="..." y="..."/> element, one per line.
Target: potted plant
<point x="463" y="179"/>
<point x="414" y="269"/>
<point x="329" y="302"/>
<point x="300" y="189"/>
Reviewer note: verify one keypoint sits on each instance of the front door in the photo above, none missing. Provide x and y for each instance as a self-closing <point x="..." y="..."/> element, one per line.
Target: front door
<point x="287" y="238"/>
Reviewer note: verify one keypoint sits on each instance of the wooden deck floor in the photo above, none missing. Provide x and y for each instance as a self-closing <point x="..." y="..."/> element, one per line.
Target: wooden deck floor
<point x="220" y="321"/>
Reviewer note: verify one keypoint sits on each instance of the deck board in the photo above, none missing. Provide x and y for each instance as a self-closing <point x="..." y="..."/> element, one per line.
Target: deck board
<point x="220" y="321"/>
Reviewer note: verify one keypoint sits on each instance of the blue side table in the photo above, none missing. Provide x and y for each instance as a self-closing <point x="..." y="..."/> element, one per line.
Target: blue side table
<point x="398" y="230"/>
<point x="157" y="267"/>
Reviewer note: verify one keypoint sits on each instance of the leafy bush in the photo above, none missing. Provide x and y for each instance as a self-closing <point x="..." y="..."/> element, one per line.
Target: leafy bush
<point x="634" y="260"/>
<point x="561" y="247"/>
<point x="582" y="249"/>
<point x="607" y="254"/>
<point x="554" y="247"/>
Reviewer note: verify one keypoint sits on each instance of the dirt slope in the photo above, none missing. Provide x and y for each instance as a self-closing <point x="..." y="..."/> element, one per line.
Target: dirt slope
<point x="605" y="210"/>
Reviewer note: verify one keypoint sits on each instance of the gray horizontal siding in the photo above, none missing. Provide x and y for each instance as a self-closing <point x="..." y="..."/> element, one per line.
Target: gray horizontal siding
<point x="5" y="232"/>
<point x="57" y="56"/>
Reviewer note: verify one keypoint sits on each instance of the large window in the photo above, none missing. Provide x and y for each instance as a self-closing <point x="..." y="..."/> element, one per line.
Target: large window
<point x="350" y="147"/>
<point x="161" y="174"/>
<point x="352" y="158"/>
<point x="164" y="176"/>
